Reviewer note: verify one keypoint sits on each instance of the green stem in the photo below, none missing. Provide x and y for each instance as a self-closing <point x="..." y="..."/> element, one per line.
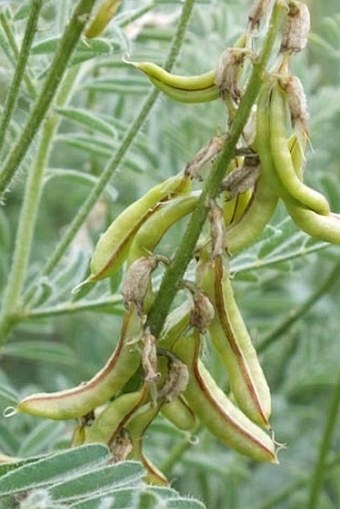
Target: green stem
<point x="126" y="142"/>
<point x="14" y="55"/>
<point x="280" y="258"/>
<point x="28" y="214"/>
<point x="56" y="71"/>
<point x="177" y="453"/>
<point x="320" y="467"/>
<point x="130" y="18"/>
<point x="298" y="312"/>
<point x="110" y="304"/>
<point x="14" y="88"/>
<point x="183" y="255"/>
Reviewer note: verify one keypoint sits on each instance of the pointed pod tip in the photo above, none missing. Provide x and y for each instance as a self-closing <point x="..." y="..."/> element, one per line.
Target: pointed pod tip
<point x="88" y="281"/>
<point x="10" y="411"/>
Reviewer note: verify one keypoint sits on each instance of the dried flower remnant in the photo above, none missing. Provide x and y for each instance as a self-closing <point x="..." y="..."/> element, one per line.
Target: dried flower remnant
<point x="137" y="281"/>
<point x="257" y="12"/>
<point x="228" y="71"/>
<point x="296" y="100"/>
<point x="203" y="311"/>
<point x="176" y="380"/>
<point x="149" y="359"/>
<point x="295" y="35"/>
<point x="204" y="156"/>
<point x="243" y="178"/>
<point x="217" y="230"/>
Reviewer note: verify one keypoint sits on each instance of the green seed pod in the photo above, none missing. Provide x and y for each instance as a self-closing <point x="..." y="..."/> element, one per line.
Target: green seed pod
<point x="153" y="229"/>
<point x="179" y="413"/>
<point x="136" y="428"/>
<point x="326" y="228"/>
<point x="216" y="411"/>
<point x="234" y="209"/>
<point x="231" y="340"/>
<point x="113" y="246"/>
<point x="258" y="209"/>
<point x="187" y="96"/>
<point x="283" y="161"/>
<point x="189" y="83"/>
<point x="114" y="417"/>
<point x="81" y="400"/>
<point x="177" y="323"/>
<point x="105" y="13"/>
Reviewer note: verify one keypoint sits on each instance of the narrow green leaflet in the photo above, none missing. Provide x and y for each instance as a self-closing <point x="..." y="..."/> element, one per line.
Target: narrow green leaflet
<point x="79" y="178"/>
<point x="122" y="498"/>
<point x="41" y="437"/>
<point x="184" y="503"/>
<point x="56" y="353"/>
<point x="89" y="120"/>
<point x="85" y="49"/>
<point x="117" y="85"/>
<point x="8" y="396"/>
<point x="53" y="468"/>
<point x="149" y="500"/>
<point x="91" y="144"/>
<point x="99" y="482"/>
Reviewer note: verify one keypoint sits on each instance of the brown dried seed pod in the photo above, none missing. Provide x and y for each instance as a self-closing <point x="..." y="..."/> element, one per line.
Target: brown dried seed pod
<point x="296" y="29"/>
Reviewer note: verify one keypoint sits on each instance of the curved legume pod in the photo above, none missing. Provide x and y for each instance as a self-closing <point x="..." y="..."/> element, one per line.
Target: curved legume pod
<point x="216" y="411"/>
<point x="114" y="417"/>
<point x="231" y="340"/>
<point x="176" y="324"/>
<point x="326" y="228"/>
<point x="244" y="231"/>
<point x="234" y="209"/>
<point x="196" y="82"/>
<point x="181" y="95"/>
<point x="102" y="18"/>
<point x="136" y="429"/>
<point x="113" y="246"/>
<point x="80" y="400"/>
<point x="262" y="204"/>
<point x="282" y="159"/>
<point x="180" y="414"/>
<point x="153" y="229"/>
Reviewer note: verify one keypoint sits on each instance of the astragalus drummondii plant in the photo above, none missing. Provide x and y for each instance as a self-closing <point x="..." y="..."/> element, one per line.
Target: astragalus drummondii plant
<point x="182" y="350"/>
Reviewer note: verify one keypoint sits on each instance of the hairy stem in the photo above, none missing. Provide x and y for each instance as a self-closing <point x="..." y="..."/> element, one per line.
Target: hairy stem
<point x="13" y="53"/>
<point x="14" y="88"/>
<point x="57" y="69"/>
<point x="29" y="212"/>
<point x="320" y="466"/>
<point x="184" y="253"/>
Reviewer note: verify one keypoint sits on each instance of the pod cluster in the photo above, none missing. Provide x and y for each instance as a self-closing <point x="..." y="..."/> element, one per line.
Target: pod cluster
<point x="145" y="374"/>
